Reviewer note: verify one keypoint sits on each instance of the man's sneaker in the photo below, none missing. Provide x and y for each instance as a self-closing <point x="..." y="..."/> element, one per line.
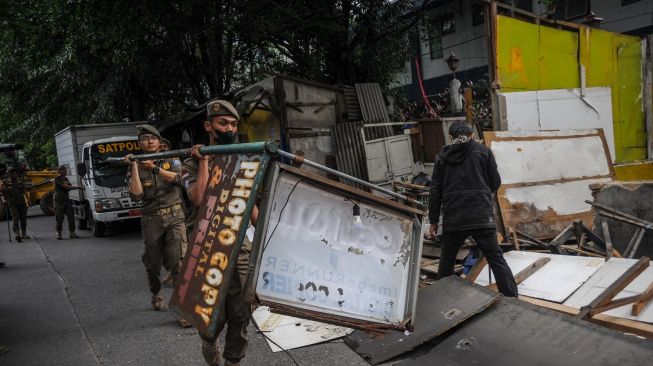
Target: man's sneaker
<point x="58" y="235"/>
<point x="158" y="303"/>
<point x="211" y="352"/>
<point x="73" y="235"/>
<point x="167" y="280"/>
<point x="184" y="323"/>
<point x="229" y="363"/>
<point x="24" y="236"/>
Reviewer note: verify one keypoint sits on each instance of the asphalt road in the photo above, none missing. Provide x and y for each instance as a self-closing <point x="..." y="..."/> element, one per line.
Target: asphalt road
<point x="86" y="302"/>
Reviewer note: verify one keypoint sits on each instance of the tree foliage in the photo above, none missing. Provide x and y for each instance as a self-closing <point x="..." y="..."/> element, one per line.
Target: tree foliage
<point x="65" y="62"/>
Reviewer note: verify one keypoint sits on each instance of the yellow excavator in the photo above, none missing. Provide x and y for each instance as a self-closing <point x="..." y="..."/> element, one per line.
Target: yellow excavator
<point x="42" y="181"/>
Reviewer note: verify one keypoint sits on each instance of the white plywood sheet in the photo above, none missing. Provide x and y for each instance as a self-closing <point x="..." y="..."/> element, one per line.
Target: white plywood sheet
<point x="286" y="332"/>
<point x="556" y="280"/>
<point x="563" y="198"/>
<point x="526" y="161"/>
<point x="561" y="109"/>
<point x="604" y="277"/>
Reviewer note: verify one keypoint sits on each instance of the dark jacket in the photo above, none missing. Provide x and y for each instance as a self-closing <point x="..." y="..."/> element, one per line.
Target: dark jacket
<point x="464" y="179"/>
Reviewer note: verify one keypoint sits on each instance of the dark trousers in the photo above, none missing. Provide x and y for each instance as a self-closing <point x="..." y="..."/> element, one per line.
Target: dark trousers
<point x="19" y="215"/>
<point x="486" y="239"/>
<point x="61" y="210"/>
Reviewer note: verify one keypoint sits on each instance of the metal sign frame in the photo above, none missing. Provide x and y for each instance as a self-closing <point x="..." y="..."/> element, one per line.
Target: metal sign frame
<point x="274" y="173"/>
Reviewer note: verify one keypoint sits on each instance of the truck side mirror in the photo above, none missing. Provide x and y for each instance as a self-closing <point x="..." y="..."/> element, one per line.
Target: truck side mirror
<point x="81" y="169"/>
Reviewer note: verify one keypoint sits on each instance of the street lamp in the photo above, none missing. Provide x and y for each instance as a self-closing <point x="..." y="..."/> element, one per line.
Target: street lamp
<point x="452" y="61"/>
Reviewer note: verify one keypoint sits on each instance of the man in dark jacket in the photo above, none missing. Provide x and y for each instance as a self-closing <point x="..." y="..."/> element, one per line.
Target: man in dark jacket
<point x="465" y="177"/>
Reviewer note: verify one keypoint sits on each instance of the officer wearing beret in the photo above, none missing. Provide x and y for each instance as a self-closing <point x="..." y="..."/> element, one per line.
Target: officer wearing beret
<point x="221" y="126"/>
<point x="13" y="189"/>
<point x="157" y="183"/>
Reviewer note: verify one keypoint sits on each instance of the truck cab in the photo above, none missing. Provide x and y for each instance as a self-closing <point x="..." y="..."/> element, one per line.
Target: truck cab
<point x="105" y="199"/>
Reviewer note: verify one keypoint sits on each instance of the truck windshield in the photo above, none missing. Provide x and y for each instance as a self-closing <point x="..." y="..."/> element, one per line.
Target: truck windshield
<point x="112" y="174"/>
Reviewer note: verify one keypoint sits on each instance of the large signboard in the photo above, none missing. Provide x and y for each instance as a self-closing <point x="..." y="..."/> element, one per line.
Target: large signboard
<point x="313" y="257"/>
<point x="217" y="238"/>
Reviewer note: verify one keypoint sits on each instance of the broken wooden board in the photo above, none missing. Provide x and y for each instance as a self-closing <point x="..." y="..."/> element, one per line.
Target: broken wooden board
<point x="289" y="332"/>
<point x="605" y="276"/>
<point x="513" y="332"/>
<point x="546" y="177"/>
<point x="555" y="281"/>
<point x="440" y="307"/>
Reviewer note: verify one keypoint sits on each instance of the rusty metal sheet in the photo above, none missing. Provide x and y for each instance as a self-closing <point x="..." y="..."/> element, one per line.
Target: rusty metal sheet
<point x="217" y="238"/>
<point x="513" y="332"/>
<point x="440" y="307"/>
<point x="313" y="261"/>
<point x="546" y="176"/>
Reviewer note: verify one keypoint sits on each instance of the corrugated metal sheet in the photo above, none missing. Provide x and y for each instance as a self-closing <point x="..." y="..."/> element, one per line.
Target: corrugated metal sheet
<point x="372" y="103"/>
<point x="440" y="307"/>
<point x="513" y="332"/>
<point x="351" y="104"/>
<point x="349" y="150"/>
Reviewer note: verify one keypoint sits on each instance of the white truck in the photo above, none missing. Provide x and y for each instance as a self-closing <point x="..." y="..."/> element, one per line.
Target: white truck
<point x="105" y="198"/>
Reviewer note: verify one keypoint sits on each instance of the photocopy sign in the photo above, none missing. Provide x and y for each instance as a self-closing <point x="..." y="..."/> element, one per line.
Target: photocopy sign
<point x="315" y="257"/>
<point x="216" y="239"/>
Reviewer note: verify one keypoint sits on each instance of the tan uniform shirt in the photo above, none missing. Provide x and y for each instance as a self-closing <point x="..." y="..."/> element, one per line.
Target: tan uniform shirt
<point x="157" y="193"/>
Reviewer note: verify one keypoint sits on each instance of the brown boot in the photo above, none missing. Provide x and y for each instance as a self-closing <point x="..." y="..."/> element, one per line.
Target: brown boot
<point x="158" y="303"/>
<point x="211" y="352"/>
<point x="184" y="323"/>
<point x="18" y="238"/>
<point x="229" y="363"/>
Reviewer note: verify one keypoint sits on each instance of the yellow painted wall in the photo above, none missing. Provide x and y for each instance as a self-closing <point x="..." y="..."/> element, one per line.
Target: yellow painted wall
<point x="634" y="171"/>
<point x="534" y="57"/>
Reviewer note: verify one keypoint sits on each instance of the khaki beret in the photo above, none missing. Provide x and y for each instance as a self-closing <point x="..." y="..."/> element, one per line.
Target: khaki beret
<point x="221" y="108"/>
<point x="143" y="129"/>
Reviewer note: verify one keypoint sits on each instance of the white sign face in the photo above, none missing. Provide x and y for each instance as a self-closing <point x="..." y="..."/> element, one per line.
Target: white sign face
<point x="315" y="258"/>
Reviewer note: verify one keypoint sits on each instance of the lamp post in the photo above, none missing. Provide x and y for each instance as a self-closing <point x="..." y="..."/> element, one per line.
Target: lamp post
<point x="452" y="61"/>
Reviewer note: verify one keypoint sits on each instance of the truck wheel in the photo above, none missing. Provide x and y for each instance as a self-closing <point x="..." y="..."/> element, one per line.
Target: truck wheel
<point x="82" y="224"/>
<point x="97" y="227"/>
<point x="47" y="204"/>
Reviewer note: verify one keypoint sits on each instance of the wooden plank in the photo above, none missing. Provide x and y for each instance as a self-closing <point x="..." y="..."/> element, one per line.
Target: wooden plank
<point x="615" y="304"/>
<point x="608" y="321"/>
<point x="623" y="215"/>
<point x="616" y="287"/>
<point x="476" y="270"/>
<point x="526" y="272"/>
<point x="647" y="296"/>
<point x="580" y="251"/>
<point x="638" y="241"/>
<point x="515" y="242"/>
<point x="607" y="239"/>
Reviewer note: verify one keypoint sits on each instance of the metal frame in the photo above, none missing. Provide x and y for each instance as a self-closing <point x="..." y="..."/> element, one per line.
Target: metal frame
<point x="265" y="208"/>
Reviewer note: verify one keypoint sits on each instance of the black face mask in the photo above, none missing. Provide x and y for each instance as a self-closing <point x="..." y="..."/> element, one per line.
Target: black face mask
<point x="224" y="138"/>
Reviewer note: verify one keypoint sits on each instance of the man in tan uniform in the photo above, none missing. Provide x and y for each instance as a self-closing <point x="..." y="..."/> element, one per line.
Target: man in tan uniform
<point x="157" y="183"/>
<point x="222" y="126"/>
<point x="13" y="189"/>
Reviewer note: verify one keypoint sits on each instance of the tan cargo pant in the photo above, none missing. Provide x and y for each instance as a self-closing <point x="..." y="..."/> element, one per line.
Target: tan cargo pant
<point x="163" y="238"/>
<point x="19" y="216"/>
<point x="235" y="313"/>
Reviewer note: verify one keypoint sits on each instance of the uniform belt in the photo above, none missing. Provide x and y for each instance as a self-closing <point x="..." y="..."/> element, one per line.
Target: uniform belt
<point x="168" y="210"/>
